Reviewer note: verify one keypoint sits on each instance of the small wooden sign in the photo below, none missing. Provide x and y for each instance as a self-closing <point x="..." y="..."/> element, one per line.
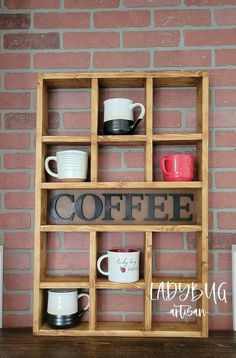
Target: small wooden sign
<point x="116" y="207"/>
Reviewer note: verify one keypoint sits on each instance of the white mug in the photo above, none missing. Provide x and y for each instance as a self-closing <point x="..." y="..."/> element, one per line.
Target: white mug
<point x="71" y="165"/>
<point x="118" y="116"/>
<point x="62" y="307"/>
<point x="123" y="265"/>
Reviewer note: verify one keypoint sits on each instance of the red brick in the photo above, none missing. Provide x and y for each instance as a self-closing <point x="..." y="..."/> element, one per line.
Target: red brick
<point x="14" y="21"/>
<point x="120" y="302"/>
<point x="225" y="138"/>
<point x="121" y="59"/>
<point x="14" y="180"/>
<point x="16" y="302"/>
<point x="223" y="77"/>
<point x="222" y="200"/>
<point x="184" y="98"/>
<point x="225" y="17"/>
<point x="225" y="307"/>
<point x="91" y="4"/>
<point x="182" y="18"/>
<point x="222" y="159"/>
<point x="16" y="281"/>
<point x="67" y="261"/>
<point x="225" y="97"/>
<point x="14" y="60"/>
<point x="19" y="200"/>
<point x="107" y="240"/>
<point x="225" y="57"/>
<point x="182" y="58"/>
<point x="29" y="4"/>
<point x="18" y="240"/>
<point x="134" y="160"/>
<point x="79" y="120"/>
<point x="225" y="261"/>
<point x="226" y="220"/>
<point x="225" y="180"/>
<point x="145" y="3"/>
<point x="209" y="2"/>
<point x="16" y="261"/>
<point x="216" y="37"/>
<point x="15" y="221"/>
<point x="76" y="241"/>
<point x="151" y="38"/>
<point x="19" y="160"/>
<point x="14" y="141"/>
<point x="17" y="320"/>
<point x="176" y="261"/>
<point x="109" y="160"/>
<point x="18" y="100"/>
<point x="119" y="19"/>
<point x="20" y="80"/>
<point x="222" y="118"/>
<point x="167" y="119"/>
<point x="36" y="41"/>
<point x="221" y="241"/>
<point x="121" y="176"/>
<point x="56" y="20"/>
<point x="69" y="99"/>
<point x="168" y="241"/>
<point x="54" y="241"/>
<point x="133" y="240"/>
<point x="20" y="121"/>
<point x="89" y="40"/>
<point x="219" y="278"/>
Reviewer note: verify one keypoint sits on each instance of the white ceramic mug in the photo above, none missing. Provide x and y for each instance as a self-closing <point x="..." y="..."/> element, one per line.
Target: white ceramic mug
<point x="71" y="165"/>
<point x="123" y="265"/>
<point x="118" y="116"/>
<point x="62" y="307"/>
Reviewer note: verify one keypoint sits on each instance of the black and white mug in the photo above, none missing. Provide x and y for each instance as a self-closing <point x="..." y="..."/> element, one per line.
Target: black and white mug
<point x="119" y="117"/>
<point x="62" y="307"/>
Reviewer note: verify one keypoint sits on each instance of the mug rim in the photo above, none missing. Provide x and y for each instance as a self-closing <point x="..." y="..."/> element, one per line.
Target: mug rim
<point x="179" y="154"/>
<point x="123" y="250"/>
<point x="72" y="151"/>
<point x="62" y="290"/>
<point x="117" y="98"/>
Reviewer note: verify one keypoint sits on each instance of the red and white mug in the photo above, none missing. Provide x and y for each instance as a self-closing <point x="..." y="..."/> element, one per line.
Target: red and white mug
<point x="178" y="167"/>
<point x="123" y="265"/>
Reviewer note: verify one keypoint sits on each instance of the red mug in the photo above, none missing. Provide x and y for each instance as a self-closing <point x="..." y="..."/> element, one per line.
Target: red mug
<point x="178" y="167"/>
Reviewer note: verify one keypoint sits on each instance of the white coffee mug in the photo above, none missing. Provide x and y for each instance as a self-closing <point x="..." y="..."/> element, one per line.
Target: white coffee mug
<point x="62" y="307"/>
<point x="71" y="165"/>
<point x="118" y="116"/>
<point x="123" y="265"/>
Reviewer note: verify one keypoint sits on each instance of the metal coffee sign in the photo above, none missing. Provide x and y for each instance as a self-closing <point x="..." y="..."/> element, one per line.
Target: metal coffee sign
<point x="115" y="207"/>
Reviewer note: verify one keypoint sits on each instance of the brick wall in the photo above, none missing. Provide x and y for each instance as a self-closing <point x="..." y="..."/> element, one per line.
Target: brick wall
<point x="79" y="35"/>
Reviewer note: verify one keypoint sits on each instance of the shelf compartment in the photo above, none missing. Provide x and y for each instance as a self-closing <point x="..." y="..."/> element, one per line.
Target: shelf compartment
<point x="123" y="185"/>
<point x="144" y="228"/>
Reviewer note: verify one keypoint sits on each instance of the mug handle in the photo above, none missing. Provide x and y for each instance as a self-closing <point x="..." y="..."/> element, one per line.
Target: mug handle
<point x="140" y="117"/>
<point x="48" y="170"/>
<point x="81" y="313"/>
<point x="163" y="162"/>
<point x="99" y="264"/>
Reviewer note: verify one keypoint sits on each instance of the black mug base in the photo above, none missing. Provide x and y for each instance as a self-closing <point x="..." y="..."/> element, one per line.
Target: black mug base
<point x="62" y="321"/>
<point x="118" y="127"/>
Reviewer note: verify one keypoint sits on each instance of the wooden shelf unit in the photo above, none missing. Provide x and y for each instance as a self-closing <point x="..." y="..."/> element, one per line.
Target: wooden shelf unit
<point x="96" y="82"/>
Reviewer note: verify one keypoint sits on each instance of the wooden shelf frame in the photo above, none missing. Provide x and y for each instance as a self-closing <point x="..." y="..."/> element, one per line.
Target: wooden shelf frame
<point x="95" y="82"/>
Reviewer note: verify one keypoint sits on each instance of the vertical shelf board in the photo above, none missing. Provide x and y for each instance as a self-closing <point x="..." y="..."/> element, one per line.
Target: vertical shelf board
<point x="149" y="130"/>
<point x="40" y="201"/>
<point x="92" y="281"/>
<point x="94" y="130"/>
<point x="148" y="281"/>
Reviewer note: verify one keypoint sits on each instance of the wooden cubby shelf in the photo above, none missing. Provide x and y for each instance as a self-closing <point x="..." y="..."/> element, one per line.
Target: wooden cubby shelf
<point x="151" y="140"/>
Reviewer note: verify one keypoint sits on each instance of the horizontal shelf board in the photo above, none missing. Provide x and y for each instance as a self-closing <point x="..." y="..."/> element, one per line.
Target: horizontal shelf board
<point x="66" y="140"/>
<point x="122" y="185"/>
<point x="126" y="329"/>
<point x="118" y="228"/>
<point x="123" y="140"/>
<point x="103" y="283"/>
<point x="123" y="80"/>
<point x="175" y="138"/>
<point x="64" y="282"/>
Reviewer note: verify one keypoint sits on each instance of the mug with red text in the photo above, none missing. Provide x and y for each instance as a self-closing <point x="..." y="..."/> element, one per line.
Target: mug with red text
<point x="123" y="265"/>
<point x="177" y="167"/>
